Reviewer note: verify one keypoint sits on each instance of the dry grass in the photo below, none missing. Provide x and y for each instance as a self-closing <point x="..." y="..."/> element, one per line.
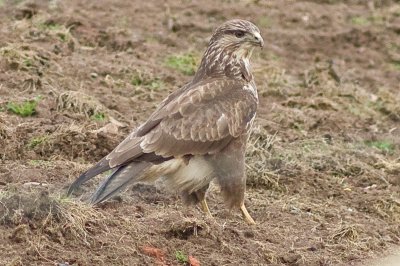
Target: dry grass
<point x="345" y="233"/>
<point x="258" y="162"/>
<point x="49" y="214"/>
<point x="3" y="129"/>
<point x="387" y="208"/>
<point x="78" y="102"/>
<point x="25" y="57"/>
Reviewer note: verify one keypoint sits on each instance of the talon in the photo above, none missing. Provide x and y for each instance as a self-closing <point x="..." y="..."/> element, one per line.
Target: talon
<point x="246" y="215"/>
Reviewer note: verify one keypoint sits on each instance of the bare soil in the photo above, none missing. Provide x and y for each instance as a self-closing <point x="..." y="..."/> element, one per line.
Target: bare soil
<point x="323" y="160"/>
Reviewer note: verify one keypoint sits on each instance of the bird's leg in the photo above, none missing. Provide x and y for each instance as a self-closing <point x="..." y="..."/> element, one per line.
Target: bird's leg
<point x="204" y="207"/>
<point x="201" y="197"/>
<point x="246" y="214"/>
<point x="229" y="167"/>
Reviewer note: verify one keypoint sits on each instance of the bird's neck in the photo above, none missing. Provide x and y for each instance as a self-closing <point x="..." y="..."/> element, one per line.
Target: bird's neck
<point x="224" y="62"/>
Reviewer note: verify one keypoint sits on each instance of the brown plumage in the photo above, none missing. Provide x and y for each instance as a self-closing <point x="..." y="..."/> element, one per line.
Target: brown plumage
<point x="199" y="132"/>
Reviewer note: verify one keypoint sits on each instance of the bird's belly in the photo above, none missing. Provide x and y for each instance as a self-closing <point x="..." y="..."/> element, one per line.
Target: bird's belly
<point x="190" y="176"/>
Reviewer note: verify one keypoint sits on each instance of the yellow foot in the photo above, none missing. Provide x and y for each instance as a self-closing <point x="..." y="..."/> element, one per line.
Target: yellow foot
<point x="246" y="215"/>
<point x="204" y="207"/>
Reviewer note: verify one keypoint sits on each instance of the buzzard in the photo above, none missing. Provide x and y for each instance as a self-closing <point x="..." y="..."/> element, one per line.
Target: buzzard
<point x="198" y="133"/>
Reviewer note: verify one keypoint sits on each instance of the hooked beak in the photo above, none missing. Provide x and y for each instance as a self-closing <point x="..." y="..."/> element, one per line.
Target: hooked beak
<point x="258" y="39"/>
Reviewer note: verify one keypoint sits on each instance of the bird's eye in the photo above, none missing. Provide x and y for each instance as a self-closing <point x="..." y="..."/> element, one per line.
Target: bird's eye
<point x="239" y="34"/>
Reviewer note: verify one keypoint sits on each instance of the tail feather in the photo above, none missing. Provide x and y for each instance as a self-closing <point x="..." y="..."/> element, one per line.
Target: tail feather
<point x="119" y="180"/>
<point x="99" y="168"/>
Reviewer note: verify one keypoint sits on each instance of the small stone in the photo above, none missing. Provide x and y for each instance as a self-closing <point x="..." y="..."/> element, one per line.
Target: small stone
<point x="290" y="258"/>
<point x="248" y="234"/>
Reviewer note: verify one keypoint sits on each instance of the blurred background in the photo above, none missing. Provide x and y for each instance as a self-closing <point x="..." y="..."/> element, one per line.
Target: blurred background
<point x="323" y="160"/>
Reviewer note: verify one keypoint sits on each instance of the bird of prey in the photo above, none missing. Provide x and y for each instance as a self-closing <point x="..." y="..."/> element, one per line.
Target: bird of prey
<point x="198" y="133"/>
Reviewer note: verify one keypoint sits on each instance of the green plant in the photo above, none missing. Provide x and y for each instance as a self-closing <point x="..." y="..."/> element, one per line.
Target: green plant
<point x="185" y="63"/>
<point x="56" y="29"/>
<point x="27" y="108"/>
<point x="383" y="145"/>
<point x="154" y="84"/>
<point x="98" y="116"/>
<point x="34" y="162"/>
<point x="137" y="80"/>
<point x="63" y="37"/>
<point x="28" y="62"/>
<point x="396" y="65"/>
<point x="181" y="257"/>
<point x="51" y="25"/>
<point x="36" y="141"/>
<point x="362" y="21"/>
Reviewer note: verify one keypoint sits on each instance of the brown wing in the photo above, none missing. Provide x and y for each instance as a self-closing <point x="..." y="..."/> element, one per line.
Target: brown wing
<point x="201" y="120"/>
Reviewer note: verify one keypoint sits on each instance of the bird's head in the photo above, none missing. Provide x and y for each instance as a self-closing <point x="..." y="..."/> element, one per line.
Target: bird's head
<point x="229" y="49"/>
<point x="238" y="36"/>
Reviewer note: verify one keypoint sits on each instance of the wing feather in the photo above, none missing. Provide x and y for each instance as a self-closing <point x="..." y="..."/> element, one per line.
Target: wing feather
<point x="201" y="119"/>
<point x="202" y="125"/>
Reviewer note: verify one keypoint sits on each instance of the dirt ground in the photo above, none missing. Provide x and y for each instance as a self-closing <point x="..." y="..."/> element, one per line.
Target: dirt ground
<point x="323" y="161"/>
